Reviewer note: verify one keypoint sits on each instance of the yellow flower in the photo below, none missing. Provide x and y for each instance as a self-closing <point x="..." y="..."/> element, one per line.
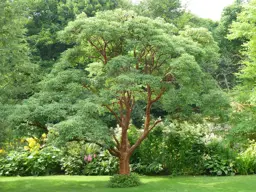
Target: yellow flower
<point x="31" y="142"/>
<point x="44" y="136"/>
<point x="2" y="151"/>
<point x="26" y="148"/>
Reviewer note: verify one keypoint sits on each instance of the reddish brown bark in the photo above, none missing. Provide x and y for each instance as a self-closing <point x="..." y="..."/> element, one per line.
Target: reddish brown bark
<point x="124" y="164"/>
<point x="145" y="56"/>
<point x="124" y="150"/>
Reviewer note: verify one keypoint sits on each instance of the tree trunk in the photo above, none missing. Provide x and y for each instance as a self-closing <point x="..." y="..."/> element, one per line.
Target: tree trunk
<point x="124" y="164"/>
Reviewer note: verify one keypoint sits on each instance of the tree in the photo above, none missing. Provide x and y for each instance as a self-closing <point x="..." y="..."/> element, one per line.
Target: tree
<point x="135" y="58"/>
<point x="121" y="61"/>
<point x="170" y="10"/>
<point x="46" y="18"/>
<point x="16" y="70"/>
<point x="17" y="73"/>
<point x="245" y="28"/>
<point x="230" y="49"/>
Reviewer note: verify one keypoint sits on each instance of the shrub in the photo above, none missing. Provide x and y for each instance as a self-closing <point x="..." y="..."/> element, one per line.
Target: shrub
<point x="246" y="160"/>
<point x="72" y="165"/>
<point x="73" y="161"/>
<point x="149" y="157"/>
<point x="148" y="169"/>
<point x="216" y="166"/>
<point x="124" y="181"/>
<point x="101" y="164"/>
<point x="219" y="158"/>
<point x="26" y="163"/>
<point x="184" y="148"/>
<point x="87" y="159"/>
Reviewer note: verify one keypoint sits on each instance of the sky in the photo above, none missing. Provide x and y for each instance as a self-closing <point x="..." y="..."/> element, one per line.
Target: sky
<point x="206" y="8"/>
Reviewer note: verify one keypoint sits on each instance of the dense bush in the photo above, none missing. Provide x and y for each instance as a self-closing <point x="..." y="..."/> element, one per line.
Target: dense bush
<point x="25" y="163"/>
<point x="149" y="157"/>
<point x="214" y="165"/>
<point x="219" y="158"/>
<point x="124" y="181"/>
<point x="246" y="160"/>
<point x="101" y="164"/>
<point x="177" y="149"/>
<point x="185" y="148"/>
<point x="72" y="162"/>
<point x="87" y="159"/>
<point x="72" y="165"/>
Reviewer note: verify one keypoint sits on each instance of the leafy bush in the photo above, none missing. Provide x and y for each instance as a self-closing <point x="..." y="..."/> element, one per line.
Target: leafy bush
<point x="124" y="181"/>
<point x="149" y="169"/>
<point x="219" y="158"/>
<point x="25" y="163"/>
<point x="246" y="160"/>
<point x="72" y="165"/>
<point x="148" y="158"/>
<point x="214" y="165"/>
<point x="184" y="148"/>
<point x="87" y="159"/>
<point x="102" y="164"/>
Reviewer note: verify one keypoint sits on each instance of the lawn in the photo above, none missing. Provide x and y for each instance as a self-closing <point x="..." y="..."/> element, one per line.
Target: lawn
<point x="150" y="184"/>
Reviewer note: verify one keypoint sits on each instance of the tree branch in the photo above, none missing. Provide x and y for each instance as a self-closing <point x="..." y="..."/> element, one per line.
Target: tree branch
<point x="114" y="113"/>
<point x="112" y="151"/>
<point x="159" y="96"/>
<point x="116" y="140"/>
<point x="155" y="124"/>
<point x="39" y="125"/>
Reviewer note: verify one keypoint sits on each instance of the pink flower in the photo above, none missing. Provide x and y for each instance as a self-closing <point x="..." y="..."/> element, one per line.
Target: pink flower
<point x="85" y="158"/>
<point x="89" y="159"/>
<point x="95" y="156"/>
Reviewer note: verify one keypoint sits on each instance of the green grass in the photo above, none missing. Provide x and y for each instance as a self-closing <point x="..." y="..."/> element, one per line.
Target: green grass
<point x="150" y="184"/>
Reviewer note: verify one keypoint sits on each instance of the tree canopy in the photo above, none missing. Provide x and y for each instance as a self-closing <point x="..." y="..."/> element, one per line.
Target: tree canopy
<point x="119" y="60"/>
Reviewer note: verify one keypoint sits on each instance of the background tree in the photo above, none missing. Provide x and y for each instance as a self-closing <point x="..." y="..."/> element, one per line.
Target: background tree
<point x="170" y="10"/>
<point x="230" y="49"/>
<point x="17" y="73"/>
<point x="244" y="27"/>
<point x="49" y="17"/>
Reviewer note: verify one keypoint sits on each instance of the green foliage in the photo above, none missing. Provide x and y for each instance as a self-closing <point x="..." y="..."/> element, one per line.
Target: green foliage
<point x="169" y="10"/>
<point x="220" y="157"/>
<point x="72" y="165"/>
<point x="17" y="73"/>
<point x="245" y="28"/>
<point x="112" y="56"/>
<point x="154" y="168"/>
<point x="215" y="165"/>
<point x="87" y="159"/>
<point x="49" y="17"/>
<point x="148" y="158"/>
<point x="230" y="50"/>
<point x="101" y="164"/>
<point x="185" y="148"/>
<point x="246" y="160"/>
<point x="244" y="107"/>
<point x="124" y="181"/>
<point x="73" y="162"/>
<point x="243" y="123"/>
<point x="26" y="163"/>
<point x="75" y="94"/>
